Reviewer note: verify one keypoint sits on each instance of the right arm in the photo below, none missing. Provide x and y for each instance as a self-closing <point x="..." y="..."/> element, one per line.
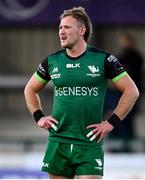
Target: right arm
<point x="33" y="102"/>
<point x="36" y="83"/>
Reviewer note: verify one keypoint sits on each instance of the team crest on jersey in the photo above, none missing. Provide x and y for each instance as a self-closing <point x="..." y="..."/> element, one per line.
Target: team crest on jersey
<point x="55" y="74"/>
<point x="93" y="71"/>
<point x="99" y="164"/>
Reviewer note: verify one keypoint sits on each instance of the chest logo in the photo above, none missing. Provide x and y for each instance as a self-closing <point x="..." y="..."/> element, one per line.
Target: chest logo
<point x="94" y="71"/>
<point x="55" y="74"/>
<point x="76" y="65"/>
<point x="55" y="70"/>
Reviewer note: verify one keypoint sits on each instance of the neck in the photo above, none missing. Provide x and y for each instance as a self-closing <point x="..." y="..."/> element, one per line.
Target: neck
<point x="77" y="50"/>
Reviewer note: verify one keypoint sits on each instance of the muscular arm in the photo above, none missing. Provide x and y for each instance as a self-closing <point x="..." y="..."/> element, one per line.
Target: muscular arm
<point x="35" y="84"/>
<point x="129" y="96"/>
<point x="122" y="81"/>
<point x="31" y="94"/>
<point x="33" y="102"/>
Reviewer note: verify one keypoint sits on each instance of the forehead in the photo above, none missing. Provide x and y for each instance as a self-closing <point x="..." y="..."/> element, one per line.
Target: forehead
<point x="68" y="20"/>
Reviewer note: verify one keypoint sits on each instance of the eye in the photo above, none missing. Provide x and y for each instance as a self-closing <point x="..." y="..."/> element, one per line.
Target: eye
<point x="69" y="26"/>
<point x="60" y="27"/>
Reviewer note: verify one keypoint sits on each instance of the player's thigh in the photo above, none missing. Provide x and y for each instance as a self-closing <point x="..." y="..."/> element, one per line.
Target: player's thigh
<point x="52" y="176"/>
<point x="89" y="177"/>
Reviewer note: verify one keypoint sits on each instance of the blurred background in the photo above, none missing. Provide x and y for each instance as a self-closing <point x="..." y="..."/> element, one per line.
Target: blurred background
<point x="28" y="33"/>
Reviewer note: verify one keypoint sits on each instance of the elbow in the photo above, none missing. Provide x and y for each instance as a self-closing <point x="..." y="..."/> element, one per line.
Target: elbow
<point x="135" y="93"/>
<point x="29" y="90"/>
<point x="26" y="90"/>
<point x="132" y="92"/>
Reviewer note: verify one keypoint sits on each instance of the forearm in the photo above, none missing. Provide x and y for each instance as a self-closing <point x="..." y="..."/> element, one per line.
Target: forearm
<point x="126" y="103"/>
<point x="34" y="105"/>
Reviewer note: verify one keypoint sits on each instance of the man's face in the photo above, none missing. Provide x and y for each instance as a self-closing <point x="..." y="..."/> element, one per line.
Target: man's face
<point x="69" y="32"/>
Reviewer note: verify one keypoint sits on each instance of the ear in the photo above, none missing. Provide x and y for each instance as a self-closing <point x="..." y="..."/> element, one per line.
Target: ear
<point x="82" y="30"/>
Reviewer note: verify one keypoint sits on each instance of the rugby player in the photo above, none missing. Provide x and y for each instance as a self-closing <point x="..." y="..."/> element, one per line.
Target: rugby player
<point x="79" y="73"/>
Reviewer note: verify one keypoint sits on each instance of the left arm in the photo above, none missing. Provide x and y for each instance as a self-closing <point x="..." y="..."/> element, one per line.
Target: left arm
<point x="129" y="96"/>
<point x="123" y="82"/>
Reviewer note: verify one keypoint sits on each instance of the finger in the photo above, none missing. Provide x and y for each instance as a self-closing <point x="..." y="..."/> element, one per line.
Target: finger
<point x="50" y="124"/>
<point x="90" y="134"/>
<point x="52" y="119"/>
<point x="47" y="127"/>
<point x="53" y="126"/>
<point x="91" y="126"/>
<point x="95" y="130"/>
<point x="100" y="138"/>
<point x="98" y="133"/>
<point x="93" y="137"/>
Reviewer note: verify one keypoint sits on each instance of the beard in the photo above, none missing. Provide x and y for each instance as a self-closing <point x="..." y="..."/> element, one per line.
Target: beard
<point x="69" y="44"/>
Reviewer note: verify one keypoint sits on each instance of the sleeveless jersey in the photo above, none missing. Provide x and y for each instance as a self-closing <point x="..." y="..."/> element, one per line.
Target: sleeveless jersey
<point x="79" y="90"/>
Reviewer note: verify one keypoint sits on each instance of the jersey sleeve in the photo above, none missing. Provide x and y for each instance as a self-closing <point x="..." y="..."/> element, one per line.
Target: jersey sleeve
<point x="113" y="69"/>
<point x="41" y="73"/>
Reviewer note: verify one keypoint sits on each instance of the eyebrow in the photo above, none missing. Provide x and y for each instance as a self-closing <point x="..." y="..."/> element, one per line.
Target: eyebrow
<point x="66" y="26"/>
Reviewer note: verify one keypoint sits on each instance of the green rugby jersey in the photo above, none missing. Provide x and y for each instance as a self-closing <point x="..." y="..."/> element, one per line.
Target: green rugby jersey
<point x="79" y="90"/>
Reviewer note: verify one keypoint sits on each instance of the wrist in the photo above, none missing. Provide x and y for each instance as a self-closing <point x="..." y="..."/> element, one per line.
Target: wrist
<point x="114" y="120"/>
<point x="37" y="115"/>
